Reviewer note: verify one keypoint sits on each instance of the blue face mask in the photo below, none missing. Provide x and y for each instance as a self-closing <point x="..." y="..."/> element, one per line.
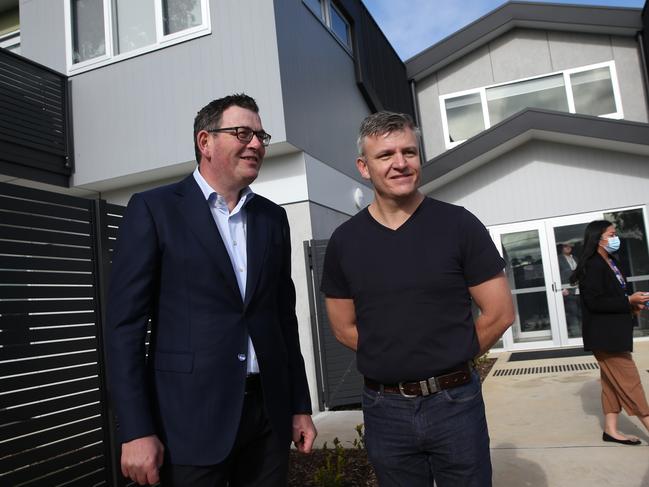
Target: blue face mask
<point x="613" y="244"/>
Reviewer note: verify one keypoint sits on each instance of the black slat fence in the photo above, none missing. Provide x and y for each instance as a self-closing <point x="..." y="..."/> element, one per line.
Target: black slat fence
<point x="55" y="427"/>
<point x="35" y="134"/>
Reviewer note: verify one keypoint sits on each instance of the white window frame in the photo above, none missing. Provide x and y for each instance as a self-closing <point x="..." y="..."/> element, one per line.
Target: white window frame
<point x="325" y="18"/>
<point x="10" y="40"/>
<point x="348" y="26"/>
<point x="619" y="114"/>
<point x="442" y="105"/>
<point x="110" y="56"/>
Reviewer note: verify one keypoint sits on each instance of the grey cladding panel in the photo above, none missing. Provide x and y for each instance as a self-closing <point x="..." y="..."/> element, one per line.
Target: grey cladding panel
<point x="645" y="35"/>
<point x="380" y="73"/>
<point x="341" y="382"/>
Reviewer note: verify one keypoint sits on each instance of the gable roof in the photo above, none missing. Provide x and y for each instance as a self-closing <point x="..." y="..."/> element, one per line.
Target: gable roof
<point x="547" y="16"/>
<point x="529" y="124"/>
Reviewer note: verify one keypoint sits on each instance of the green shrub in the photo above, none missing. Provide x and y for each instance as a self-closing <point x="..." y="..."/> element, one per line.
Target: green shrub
<point x="481" y="359"/>
<point x="359" y="443"/>
<point x="331" y="473"/>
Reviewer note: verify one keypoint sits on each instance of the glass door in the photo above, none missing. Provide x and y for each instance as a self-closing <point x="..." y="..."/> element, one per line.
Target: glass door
<point x="565" y="236"/>
<point x="540" y="257"/>
<point x="525" y="250"/>
<point x="631" y="224"/>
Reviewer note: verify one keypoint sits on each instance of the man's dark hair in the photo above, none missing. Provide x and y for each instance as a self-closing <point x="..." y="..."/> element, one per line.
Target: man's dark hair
<point x="209" y="117"/>
<point x="381" y="123"/>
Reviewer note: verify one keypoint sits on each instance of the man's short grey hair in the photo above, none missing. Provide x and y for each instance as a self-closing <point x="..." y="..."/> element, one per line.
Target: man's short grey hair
<point x="382" y="123"/>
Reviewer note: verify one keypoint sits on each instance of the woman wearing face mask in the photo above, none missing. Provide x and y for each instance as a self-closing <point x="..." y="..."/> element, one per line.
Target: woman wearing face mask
<point x="607" y="317"/>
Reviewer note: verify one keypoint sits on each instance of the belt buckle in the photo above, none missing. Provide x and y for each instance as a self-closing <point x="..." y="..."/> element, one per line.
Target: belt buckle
<point x="403" y="393"/>
<point x="433" y="386"/>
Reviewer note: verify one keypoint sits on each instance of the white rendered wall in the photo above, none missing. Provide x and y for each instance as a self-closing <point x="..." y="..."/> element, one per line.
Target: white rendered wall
<point x="300" y="221"/>
<point x="331" y="188"/>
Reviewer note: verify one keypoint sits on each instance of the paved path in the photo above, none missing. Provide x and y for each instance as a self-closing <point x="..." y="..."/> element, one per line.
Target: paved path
<point x="545" y="426"/>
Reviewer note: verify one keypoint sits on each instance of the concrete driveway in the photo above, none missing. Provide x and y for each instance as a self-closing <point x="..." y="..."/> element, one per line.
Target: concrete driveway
<point x="546" y="424"/>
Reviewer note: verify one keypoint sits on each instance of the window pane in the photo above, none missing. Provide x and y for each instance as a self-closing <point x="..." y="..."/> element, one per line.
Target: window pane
<point x="522" y="254"/>
<point x="633" y="256"/>
<point x="179" y="15"/>
<point x="464" y="116"/>
<point x="524" y="270"/>
<point x="315" y="6"/>
<point x="633" y="252"/>
<point x="548" y="92"/>
<point x="569" y="240"/>
<point x="88" y="40"/>
<point x="135" y="24"/>
<point x="593" y="92"/>
<point x="340" y="26"/>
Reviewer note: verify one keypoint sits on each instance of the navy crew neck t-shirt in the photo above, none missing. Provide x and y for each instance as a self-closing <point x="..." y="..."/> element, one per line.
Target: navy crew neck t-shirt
<point x="410" y="288"/>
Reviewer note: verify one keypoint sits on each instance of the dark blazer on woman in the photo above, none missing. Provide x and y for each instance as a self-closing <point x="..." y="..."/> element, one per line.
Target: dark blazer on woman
<point x="606" y="314"/>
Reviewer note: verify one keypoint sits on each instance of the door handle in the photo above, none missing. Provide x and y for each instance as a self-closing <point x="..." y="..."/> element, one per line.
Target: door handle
<point x="554" y="287"/>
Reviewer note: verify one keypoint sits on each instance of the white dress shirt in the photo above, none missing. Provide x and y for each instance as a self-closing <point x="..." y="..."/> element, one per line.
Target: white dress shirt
<point x="232" y="227"/>
<point x="572" y="263"/>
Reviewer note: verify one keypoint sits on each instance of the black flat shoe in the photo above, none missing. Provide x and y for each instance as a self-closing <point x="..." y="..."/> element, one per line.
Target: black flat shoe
<point x="607" y="437"/>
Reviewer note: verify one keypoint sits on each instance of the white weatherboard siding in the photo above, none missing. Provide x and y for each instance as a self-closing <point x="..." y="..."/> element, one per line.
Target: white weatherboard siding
<point x="628" y="65"/>
<point x="523" y="53"/>
<point x="42" y="32"/>
<point x="543" y="179"/>
<point x="137" y="115"/>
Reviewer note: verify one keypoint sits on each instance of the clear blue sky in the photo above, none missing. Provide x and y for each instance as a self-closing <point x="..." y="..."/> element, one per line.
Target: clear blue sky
<point x="414" y="25"/>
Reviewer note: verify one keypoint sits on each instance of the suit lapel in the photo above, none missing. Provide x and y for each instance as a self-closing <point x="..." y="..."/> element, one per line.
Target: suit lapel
<point x="256" y="246"/>
<point x="198" y="217"/>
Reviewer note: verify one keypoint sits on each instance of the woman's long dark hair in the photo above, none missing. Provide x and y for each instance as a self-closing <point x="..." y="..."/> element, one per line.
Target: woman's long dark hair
<point x="592" y="236"/>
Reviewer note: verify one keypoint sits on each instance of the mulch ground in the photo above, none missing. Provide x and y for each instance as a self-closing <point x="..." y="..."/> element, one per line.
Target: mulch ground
<point x="350" y="466"/>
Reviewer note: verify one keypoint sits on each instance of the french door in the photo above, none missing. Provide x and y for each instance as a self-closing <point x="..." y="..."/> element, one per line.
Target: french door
<point x="540" y="256"/>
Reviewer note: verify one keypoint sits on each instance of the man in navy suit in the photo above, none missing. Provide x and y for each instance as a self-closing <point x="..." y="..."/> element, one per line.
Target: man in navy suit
<point x="223" y="390"/>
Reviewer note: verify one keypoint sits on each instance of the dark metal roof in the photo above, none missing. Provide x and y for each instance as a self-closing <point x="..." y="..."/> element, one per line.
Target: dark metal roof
<point x="547" y="16"/>
<point x="533" y="123"/>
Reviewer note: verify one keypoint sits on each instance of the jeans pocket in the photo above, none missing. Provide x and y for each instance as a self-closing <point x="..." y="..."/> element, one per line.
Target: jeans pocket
<point x="370" y="398"/>
<point x="466" y="392"/>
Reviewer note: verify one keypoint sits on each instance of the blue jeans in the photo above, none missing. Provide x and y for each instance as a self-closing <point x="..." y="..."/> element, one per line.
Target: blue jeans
<point x="442" y="437"/>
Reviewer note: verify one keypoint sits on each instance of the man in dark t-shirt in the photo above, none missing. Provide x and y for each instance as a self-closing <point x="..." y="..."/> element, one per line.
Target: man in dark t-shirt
<point x="400" y="278"/>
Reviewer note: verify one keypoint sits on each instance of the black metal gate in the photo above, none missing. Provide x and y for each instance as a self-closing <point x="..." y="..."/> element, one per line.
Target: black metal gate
<point x="339" y="382"/>
<point x="54" y="257"/>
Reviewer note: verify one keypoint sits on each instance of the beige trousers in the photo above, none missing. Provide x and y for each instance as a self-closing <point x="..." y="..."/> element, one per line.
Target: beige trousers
<point x="621" y="385"/>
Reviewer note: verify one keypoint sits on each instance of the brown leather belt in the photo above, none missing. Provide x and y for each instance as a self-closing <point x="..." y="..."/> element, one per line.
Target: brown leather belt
<point x="424" y="387"/>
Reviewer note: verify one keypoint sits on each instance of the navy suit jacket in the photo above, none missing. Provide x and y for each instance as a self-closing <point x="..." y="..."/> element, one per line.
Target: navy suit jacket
<point x="171" y="266"/>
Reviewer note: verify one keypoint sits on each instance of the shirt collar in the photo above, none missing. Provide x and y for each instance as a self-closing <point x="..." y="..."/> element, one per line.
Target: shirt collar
<point x="207" y="190"/>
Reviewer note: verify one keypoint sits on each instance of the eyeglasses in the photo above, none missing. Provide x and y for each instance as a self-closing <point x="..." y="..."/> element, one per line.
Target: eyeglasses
<point x="245" y="134"/>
